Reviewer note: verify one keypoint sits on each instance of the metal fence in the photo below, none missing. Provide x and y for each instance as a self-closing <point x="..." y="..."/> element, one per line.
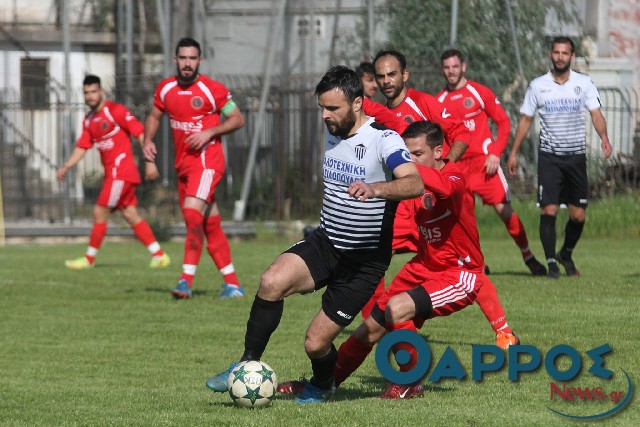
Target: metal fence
<point x="286" y="180"/>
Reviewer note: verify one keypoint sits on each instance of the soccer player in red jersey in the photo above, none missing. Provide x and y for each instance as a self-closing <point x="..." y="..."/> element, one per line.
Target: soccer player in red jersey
<point x="474" y="104"/>
<point x="445" y="276"/>
<point x="109" y="127"/>
<point x="194" y="103"/>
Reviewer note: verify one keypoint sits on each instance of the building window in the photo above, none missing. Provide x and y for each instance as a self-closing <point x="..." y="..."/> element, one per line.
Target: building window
<point x="34" y="83"/>
<point x="304" y="29"/>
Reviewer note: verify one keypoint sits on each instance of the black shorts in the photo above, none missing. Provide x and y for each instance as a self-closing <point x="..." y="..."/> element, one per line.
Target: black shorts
<point x="351" y="277"/>
<point x="563" y="179"/>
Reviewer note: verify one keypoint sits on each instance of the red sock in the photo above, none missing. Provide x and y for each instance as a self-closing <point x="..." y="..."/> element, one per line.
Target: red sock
<point x="413" y="354"/>
<point x="487" y="299"/>
<point x="366" y="310"/>
<point x="218" y="247"/>
<point x="351" y="354"/>
<point x="193" y="220"/>
<point x="516" y="230"/>
<point x="96" y="237"/>
<point x="144" y="233"/>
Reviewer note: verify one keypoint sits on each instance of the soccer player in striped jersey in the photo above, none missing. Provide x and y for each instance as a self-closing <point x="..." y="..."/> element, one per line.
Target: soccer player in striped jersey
<point x="367" y="170"/>
<point x="474" y="104"/>
<point x="445" y="276"/>
<point x="109" y="126"/>
<point x="194" y="103"/>
<point x="561" y="97"/>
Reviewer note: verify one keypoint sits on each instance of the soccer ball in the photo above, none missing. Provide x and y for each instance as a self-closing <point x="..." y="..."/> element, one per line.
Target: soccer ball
<point x="252" y="384"/>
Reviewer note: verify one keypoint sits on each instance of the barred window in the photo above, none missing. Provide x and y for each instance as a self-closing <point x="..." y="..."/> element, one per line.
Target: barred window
<point x="34" y="83"/>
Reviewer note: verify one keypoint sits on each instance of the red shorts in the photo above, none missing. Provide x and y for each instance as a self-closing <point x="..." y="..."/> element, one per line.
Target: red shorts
<point x="491" y="189"/>
<point x="405" y="231"/>
<point x="117" y="194"/>
<point x="199" y="176"/>
<point x="450" y="290"/>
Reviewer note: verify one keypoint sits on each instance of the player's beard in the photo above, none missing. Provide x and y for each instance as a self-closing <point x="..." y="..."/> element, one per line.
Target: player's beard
<point x="558" y="70"/>
<point x="343" y="127"/>
<point x="453" y="79"/>
<point x="394" y="94"/>
<point x="187" y="80"/>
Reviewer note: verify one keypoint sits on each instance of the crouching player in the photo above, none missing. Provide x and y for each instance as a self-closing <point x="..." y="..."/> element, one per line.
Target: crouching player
<point x="445" y="276"/>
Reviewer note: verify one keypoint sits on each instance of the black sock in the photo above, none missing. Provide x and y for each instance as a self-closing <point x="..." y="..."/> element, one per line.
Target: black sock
<point x="263" y="320"/>
<point x="548" y="235"/>
<point x="323" y="369"/>
<point x="572" y="233"/>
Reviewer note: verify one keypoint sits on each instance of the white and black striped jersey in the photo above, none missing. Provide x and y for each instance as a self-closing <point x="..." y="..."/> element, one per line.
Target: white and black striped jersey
<point x="562" y="109"/>
<point x="370" y="155"/>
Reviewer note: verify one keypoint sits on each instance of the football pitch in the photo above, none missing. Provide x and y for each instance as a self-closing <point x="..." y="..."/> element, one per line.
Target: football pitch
<point x="109" y="346"/>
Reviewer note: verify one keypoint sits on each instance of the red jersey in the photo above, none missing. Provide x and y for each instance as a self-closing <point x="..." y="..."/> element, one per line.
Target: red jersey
<point x="109" y="130"/>
<point x="384" y="116"/>
<point x="191" y="109"/>
<point x="418" y="106"/>
<point x="474" y="104"/>
<point x="446" y="220"/>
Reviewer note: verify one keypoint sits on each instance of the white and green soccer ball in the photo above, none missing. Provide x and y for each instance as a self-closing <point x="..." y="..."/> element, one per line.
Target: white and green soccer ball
<point x="252" y="384"/>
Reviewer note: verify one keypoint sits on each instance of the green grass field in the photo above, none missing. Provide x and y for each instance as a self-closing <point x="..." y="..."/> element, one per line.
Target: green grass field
<point x="109" y="346"/>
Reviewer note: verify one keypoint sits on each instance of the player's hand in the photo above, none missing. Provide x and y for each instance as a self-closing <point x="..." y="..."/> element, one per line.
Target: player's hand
<point x="197" y="140"/>
<point x="512" y="164"/>
<point x="606" y="149"/>
<point x="149" y="151"/>
<point x="362" y="191"/>
<point x="150" y="171"/>
<point x="60" y="173"/>
<point x="492" y="164"/>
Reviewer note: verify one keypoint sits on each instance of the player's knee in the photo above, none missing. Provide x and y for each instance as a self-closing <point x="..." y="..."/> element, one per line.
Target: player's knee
<point x="271" y="286"/>
<point x="315" y="347"/>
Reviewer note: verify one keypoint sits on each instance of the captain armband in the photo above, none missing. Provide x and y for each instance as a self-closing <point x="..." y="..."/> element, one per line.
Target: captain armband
<point x="228" y="107"/>
<point x="398" y="158"/>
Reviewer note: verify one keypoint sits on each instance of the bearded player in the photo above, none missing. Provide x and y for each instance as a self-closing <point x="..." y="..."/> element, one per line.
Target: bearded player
<point x="194" y="103"/>
<point x="474" y="104"/>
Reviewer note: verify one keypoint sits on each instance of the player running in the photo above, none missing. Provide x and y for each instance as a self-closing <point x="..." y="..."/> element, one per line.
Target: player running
<point x="474" y="104"/>
<point x="109" y="126"/>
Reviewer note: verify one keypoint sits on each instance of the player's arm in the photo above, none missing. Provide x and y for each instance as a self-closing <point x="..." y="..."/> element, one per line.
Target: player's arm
<point x="234" y="119"/>
<point x="521" y="132"/>
<point x="600" y="125"/>
<point x="383" y="115"/>
<point x="454" y="129"/>
<point x="77" y="155"/>
<point x="441" y="185"/>
<point x="406" y="185"/>
<point x="151" y="126"/>
<point x="496" y="113"/>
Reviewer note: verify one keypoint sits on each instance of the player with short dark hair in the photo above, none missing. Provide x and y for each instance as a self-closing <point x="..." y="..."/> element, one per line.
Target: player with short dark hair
<point x="195" y="104"/>
<point x="445" y="276"/>
<point x="366" y="170"/>
<point x="367" y="75"/>
<point x="109" y="126"/>
<point x="474" y="104"/>
<point x="561" y="97"/>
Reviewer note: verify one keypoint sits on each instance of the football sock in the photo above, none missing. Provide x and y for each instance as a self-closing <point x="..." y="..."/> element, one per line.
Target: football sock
<point x="516" y="230"/>
<point x="264" y="318"/>
<point x="218" y="247"/>
<point x="413" y="354"/>
<point x="323" y="369"/>
<point x="489" y="303"/>
<point x="143" y="232"/>
<point x="572" y="233"/>
<point x="366" y="310"/>
<point x="548" y="236"/>
<point x="350" y="356"/>
<point x="96" y="237"/>
<point x="193" y="243"/>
